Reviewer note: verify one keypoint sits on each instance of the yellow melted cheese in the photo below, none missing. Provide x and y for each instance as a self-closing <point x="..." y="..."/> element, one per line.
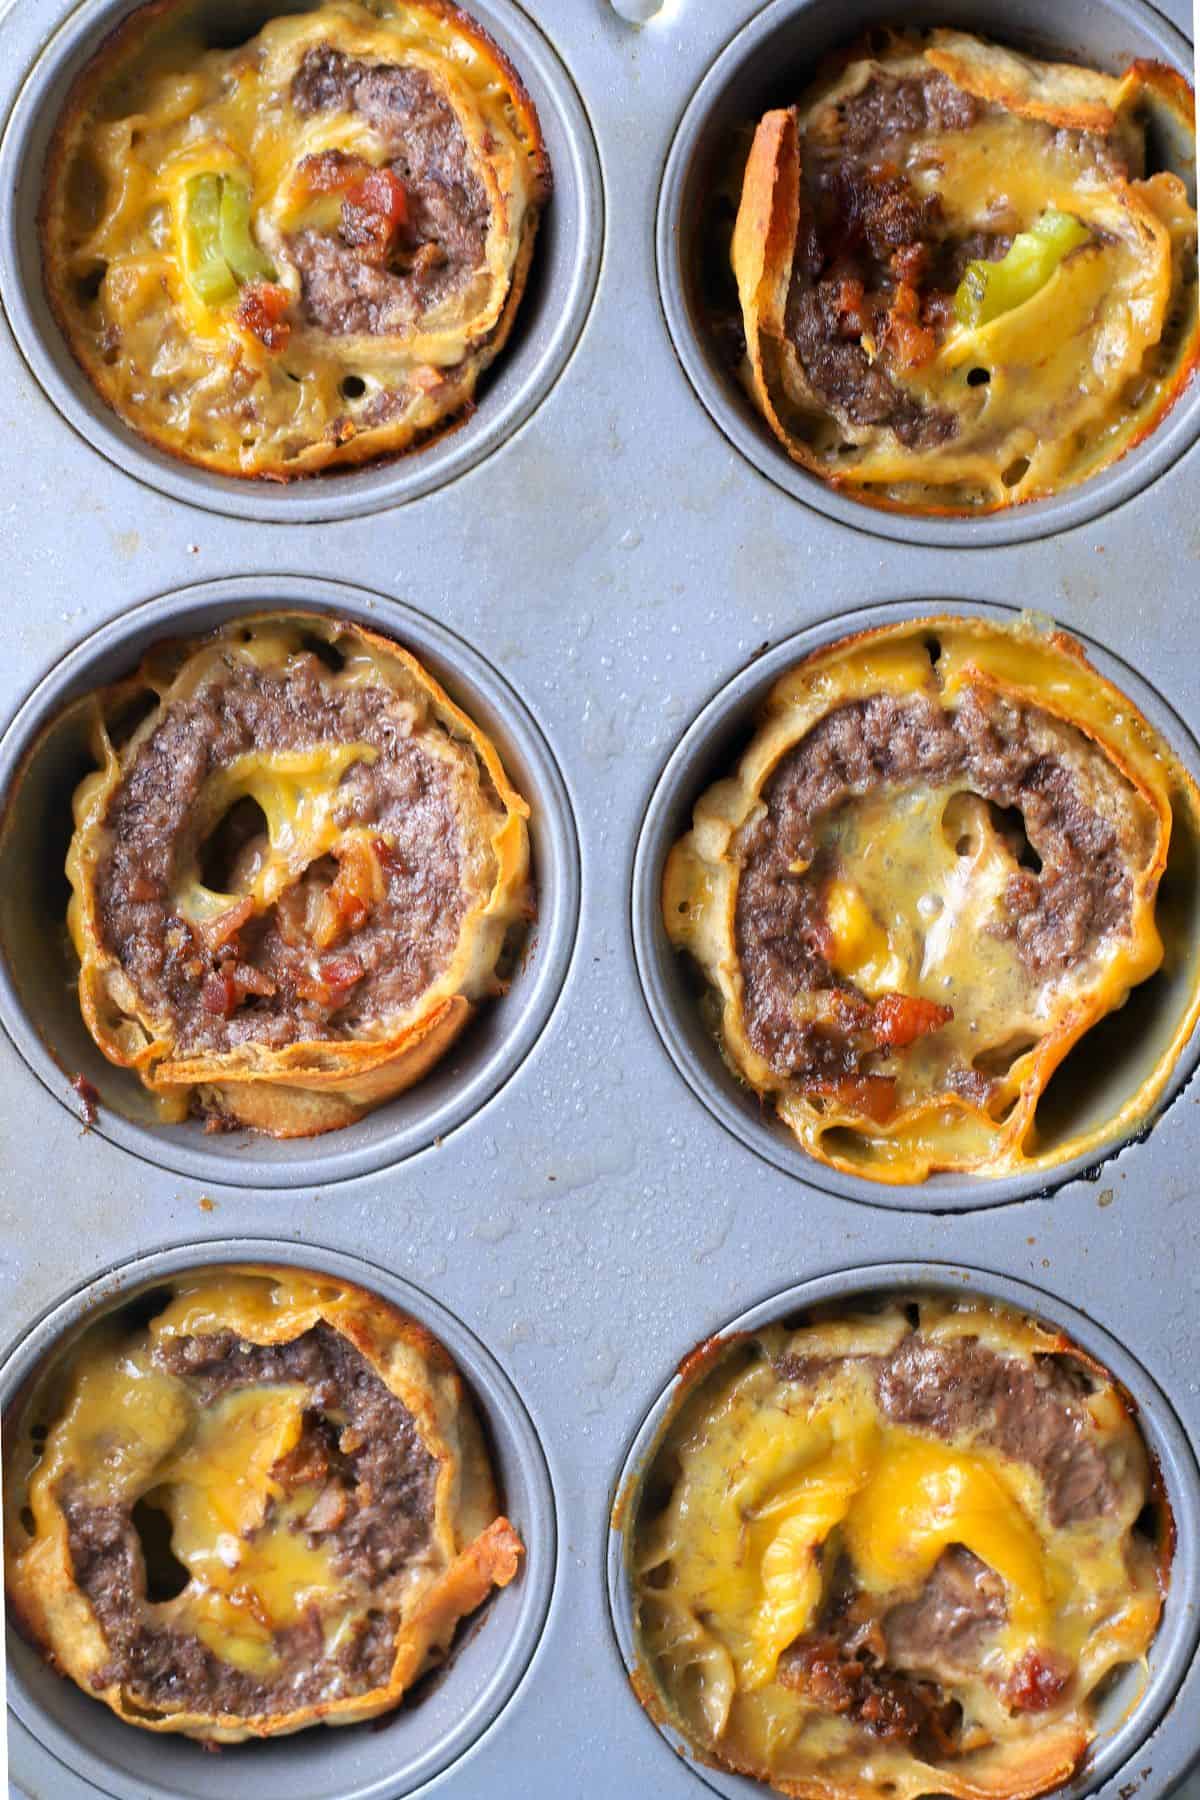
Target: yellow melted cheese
<point x="770" y="1482"/>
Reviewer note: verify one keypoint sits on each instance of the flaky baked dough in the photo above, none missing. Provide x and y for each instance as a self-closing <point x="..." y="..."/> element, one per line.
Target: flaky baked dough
<point x="181" y="374"/>
<point x="310" y="1087"/>
<point x="688" y="1674"/>
<point x="473" y="1550"/>
<point x="946" y="1131"/>
<point x="1077" y="377"/>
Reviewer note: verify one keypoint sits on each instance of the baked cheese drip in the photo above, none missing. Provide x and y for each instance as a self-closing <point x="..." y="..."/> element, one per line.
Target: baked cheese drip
<point x="295" y="878"/>
<point x="896" y="1552"/>
<point x="299" y="253"/>
<point x="937" y="867"/>
<point x="958" y="287"/>
<point x="264" y="1505"/>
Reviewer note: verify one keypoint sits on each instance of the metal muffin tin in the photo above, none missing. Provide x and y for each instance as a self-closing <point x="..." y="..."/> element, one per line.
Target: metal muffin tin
<point x="592" y="583"/>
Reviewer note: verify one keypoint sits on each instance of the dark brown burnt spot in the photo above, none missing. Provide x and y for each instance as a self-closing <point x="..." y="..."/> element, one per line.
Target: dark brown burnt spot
<point x="89" y="1099"/>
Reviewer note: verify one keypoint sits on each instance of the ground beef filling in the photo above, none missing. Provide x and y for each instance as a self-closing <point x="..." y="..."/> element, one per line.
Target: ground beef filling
<point x="349" y="281"/>
<point x="884" y="1667"/>
<point x="374" y="1513"/>
<point x="877" y="262"/>
<point x="1078" y="815"/>
<point x="268" y="983"/>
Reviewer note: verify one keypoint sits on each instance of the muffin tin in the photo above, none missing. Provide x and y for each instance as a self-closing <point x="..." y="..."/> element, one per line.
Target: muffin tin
<point x="592" y="563"/>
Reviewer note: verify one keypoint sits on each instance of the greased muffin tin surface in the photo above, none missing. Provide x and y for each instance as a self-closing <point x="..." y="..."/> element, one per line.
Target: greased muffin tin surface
<point x="616" y="563"/>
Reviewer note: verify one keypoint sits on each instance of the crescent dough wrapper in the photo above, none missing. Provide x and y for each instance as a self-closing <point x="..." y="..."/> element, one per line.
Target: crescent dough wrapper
<point x="312" y="1460"/>
<point x="863" y="210"/>
<point x="895" y="1550"/>
<point x="390" y="171"/>
<point x="936" y="868"/>
<point x="294" y="881"/>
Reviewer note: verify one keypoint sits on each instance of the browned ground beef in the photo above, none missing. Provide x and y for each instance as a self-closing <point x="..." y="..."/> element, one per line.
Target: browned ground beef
<point x="379" y="968"/>
<point x="1036" y="1416"/>
<point x="865" y="235"/>
<point x="344" y="287"/>
<point x="376" y="1513"/>
<point x="1013" y="756"/>
<point x="884" y="1668"/>
<point x="948" y="1624"/>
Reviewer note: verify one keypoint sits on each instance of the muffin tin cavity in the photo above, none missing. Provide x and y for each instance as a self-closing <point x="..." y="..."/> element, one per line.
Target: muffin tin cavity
<point x="45" y="753"/>
<point x="548" y="324"/>
<point x="767" y="64"/>
<point x="442" y="1718"/>
<point x="1108" y="1088"/>
<point x="1133" y="1699"/>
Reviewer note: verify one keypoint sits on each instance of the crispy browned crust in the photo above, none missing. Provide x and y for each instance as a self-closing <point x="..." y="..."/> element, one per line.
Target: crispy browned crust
<point x="364" y="447"/>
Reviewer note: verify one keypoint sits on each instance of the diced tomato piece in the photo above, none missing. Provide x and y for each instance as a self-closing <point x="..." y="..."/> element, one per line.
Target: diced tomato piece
<point x="900" y="1019"/>
<point x="219" y="994"/>
<point x="331" y="171"/>
<point x="261" y="310"/>
<point x="1039" y="1681"/>
<point x="383" y="192"/>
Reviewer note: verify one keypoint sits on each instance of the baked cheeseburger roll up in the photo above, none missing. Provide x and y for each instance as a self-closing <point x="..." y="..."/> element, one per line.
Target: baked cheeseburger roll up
<point x="935" y="869"/>
<point x="295" y="879"/>
<point x="896" y="1552"/>
<point x="959" y="285"/>
<point x="268" y="1507"/>
<point x="300" y="252"/>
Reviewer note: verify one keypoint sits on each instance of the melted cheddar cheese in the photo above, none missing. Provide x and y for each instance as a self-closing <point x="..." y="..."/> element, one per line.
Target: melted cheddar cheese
<point x="205" y="377"/>
<point x="780" y="1475"/>
<point x="111" y="1429"/>
<point x="1031" y="396"/>
<point x="914" y="878"/>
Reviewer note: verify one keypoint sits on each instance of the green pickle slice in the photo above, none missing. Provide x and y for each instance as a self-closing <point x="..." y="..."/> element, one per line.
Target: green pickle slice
<point x="219" y="253"/>
<point x="989" y="289"/>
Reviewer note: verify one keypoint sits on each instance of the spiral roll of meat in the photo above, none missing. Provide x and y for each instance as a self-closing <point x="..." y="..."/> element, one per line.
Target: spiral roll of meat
<point x="308" y="1454"/>
<point x="935" y="870"/>
<point x="294" y="881"/>
<point x="896" y="1551"/>
<point x="390" y="172"/>
<point x="868" y="210"/>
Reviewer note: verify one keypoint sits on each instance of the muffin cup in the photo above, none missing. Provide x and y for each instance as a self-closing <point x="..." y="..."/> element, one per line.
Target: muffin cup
<point x="434" y="1726"/>
<point x="767" y="64"/>
<point x="1114" y="1058"/>
<point x="549" y="321"/>
<point x="1131" y="1708"/>
<point x="43" y="755"/>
